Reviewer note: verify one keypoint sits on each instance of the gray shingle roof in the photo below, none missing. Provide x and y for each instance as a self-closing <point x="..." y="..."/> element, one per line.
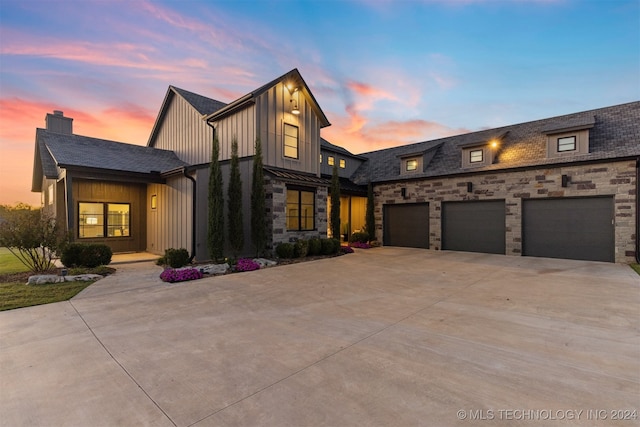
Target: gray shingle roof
<point x="615" y="134"/>
<point x="201" y="103"/>
<point x="82" y="151"/>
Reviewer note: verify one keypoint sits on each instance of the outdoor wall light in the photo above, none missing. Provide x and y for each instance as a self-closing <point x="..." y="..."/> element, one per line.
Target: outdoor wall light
<point x="493" y="143"/>
<point x="294" y="107"/>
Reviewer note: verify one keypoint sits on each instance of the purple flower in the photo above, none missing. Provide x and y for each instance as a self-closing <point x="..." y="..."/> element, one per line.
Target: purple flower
<point x="246" y="264"/>
<point x="346" y="250"/>
<point x="360" y="245"/>
<point x="170" y="275"/>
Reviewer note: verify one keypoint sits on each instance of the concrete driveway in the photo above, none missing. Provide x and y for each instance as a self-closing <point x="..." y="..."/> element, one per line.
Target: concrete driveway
<point x="382" y="337"/>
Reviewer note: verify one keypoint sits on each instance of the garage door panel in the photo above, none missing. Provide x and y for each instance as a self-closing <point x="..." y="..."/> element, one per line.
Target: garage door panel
<point x="474" y="226"/>
<point x="571" y="228"/>
<point x="407" y="225"/>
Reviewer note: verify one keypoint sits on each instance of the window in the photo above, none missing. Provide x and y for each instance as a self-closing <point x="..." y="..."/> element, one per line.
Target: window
<point x="343" y="163"/>
<point x="154" y="201"/>
<point x="320" y="158"/>
<point x="331" y="161"/>
<point x="290" y="141"/>
<point x="412" y="165"/>
<point x="476" y="156"/>
<point x="567" y="143"/>
<point x="92" y="223"/>
<point x="300" y="209"/>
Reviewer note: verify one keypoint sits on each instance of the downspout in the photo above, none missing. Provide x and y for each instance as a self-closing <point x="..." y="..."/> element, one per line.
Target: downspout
<point x="193" y="214"/>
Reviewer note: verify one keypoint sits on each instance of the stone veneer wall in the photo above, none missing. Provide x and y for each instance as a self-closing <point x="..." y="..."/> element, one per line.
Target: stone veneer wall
<point x="276" y="203"/>
<point x="616" y="179"/>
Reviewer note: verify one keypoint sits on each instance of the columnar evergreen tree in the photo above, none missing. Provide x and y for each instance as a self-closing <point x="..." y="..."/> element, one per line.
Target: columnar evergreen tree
<point x="234" y="195"/>
<point x="258" y="222"/>
<point x="370" y="220"/>
<point x="215" y="226"/>
<point x="335" y="203"/>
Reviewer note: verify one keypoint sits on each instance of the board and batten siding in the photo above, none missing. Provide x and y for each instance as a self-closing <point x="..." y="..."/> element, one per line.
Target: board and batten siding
<point x="184" y="132"/>
<point x="169" y="224"/>
<point x="240" y="125"/>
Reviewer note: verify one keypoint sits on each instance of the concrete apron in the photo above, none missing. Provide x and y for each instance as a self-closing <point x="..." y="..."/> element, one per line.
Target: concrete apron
<point x="388" y="336"/>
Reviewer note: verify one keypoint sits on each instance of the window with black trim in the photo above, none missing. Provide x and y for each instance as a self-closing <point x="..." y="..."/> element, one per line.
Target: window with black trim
<point x="300" y="209"/>
<point x="411" y="165"/>
<point x="567" y="143"/>
<point x="103" y="219"/>
<point x="476" y="156"/>
<point x="331" y="160"/>
<point x="290" y="141"/>
<point x="343" y="163"/>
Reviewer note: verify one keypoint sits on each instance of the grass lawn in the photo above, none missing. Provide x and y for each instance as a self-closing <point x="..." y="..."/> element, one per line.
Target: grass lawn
<point x="17" y="294"/>
<point x="14" y="293"/>
<point x="9" y="263"/>
<point x="636" y="267"/>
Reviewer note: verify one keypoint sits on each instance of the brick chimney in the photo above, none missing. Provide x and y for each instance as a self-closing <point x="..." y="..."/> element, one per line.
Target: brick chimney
<point x="58" y="123"/>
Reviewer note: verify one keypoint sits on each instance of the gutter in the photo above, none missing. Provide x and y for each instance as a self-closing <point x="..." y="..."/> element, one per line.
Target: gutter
<point x="193" y="213"/>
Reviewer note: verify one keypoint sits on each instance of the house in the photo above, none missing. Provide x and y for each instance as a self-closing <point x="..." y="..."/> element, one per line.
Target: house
<point x="560" y="187"/>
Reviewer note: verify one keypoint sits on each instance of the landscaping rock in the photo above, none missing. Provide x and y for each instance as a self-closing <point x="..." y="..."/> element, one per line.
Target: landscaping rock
<point x="263" y="262"/>
<point x="42" y="279"/>
<point x="214" y="269"/>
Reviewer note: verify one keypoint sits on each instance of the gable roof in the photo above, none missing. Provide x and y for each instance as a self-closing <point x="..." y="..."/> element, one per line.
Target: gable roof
<point x="326" y="145"/>
<point x="201" y="104"/>
<point x="56" y="150"/>
<point x="614" y="132"/>
<point x="292" y="76"/>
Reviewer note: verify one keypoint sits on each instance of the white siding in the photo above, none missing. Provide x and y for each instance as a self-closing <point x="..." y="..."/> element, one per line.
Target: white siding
<point x="185" y="132"/>
<point x="169" y="224"/>
<point x="241" y="125"/>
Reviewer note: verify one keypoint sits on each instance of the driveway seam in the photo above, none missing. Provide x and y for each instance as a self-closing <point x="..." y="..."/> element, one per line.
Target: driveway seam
<point x="121" y="366"/>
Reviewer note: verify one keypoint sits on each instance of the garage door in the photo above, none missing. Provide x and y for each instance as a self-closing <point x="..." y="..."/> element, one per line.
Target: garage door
<point x="406" y="225"/>
<point x="575" y="228"/>
<point x="474" y="226"/>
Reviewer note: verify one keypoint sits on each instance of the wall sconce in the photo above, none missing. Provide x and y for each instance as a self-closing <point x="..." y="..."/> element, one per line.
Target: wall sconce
<point x="566" y="179"/>
<point x="294" y="104"/>
<point x="469" y="187"/>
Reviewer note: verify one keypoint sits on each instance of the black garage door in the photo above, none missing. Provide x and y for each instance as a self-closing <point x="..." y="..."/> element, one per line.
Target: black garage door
<point x="474" y="226"/>
<point x="407" y="225"/>
<point x="574" y="228"/>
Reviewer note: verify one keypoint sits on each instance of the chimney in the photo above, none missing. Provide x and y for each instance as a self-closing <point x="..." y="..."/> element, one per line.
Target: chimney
<point x="58" y="123"/>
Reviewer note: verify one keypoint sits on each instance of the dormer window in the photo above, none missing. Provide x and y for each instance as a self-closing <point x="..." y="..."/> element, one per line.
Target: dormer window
<point x="476" y="156"/>
<point x="343" y="163"/>
<point x="411" y="165"/>
<point x="567" y="143"/>
<point x="331" y="160"/>
<point x="569" y="137"/>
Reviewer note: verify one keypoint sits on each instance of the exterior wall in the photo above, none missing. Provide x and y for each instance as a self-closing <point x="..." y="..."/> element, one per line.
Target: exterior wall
<point x="352" y="164"/>
<point x="169" y="224"/>
<point x="272" y="111"/>
<point x="276" y="202"/>
<point x="184" y="132"/>
<point x="616" y="179"/>
<point x="114" y="192"/>
<point x="242" y="126"/>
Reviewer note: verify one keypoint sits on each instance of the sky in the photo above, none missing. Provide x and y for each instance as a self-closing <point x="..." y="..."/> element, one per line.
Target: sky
<point x="385" y="72"/>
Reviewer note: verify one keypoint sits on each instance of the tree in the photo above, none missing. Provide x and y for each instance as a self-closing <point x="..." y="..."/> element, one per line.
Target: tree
<point x="33" y="237"/>
<point x="335" y="203"/>
<point x="215" y="226"/>
<point x="258" y="224"/>
<point x="236" y="233"/>
<point x="370" y="220"/>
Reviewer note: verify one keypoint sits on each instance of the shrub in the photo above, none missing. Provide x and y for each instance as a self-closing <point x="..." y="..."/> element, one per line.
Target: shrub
<point x="360" y="245"/>
<point x="284" y="250"/>
<point x="86" y="255"/>
<point x="175" y="258"/>
<point x="300" y="248"/>
<point x="315" y="246"/>
<point x="246" y="264"/>
<point x="360" y="237"/>
<point x="170" y="275"/>
<point x="330" y="246"/>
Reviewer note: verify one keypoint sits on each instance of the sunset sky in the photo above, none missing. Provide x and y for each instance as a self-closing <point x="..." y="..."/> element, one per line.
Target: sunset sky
<point x="384" y="72"/>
